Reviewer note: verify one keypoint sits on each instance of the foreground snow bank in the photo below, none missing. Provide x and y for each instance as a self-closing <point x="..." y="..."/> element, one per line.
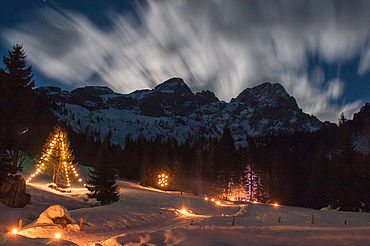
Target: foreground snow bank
<point x="246" y="235"/>
<point x="18" y="240"/>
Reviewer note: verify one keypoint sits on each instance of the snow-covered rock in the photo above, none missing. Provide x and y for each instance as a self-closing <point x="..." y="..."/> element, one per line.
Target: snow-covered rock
<point x="55" y="219"/>
<point x="53" y="214"/>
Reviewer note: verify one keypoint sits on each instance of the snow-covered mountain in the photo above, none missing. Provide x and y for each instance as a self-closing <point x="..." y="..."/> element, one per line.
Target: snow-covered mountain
<point x="171" y="109"/>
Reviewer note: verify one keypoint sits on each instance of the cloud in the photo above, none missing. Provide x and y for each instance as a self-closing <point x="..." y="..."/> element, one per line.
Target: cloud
<point x="364" y="65"/>
<point x="225" y="46"/>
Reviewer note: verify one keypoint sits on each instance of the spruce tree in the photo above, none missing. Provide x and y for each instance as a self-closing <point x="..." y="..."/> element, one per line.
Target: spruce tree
<point x="16" y="104"/>
<point x="225" y="163"/>
<point x="102" y="182"/>
<point x="342" y="119"/>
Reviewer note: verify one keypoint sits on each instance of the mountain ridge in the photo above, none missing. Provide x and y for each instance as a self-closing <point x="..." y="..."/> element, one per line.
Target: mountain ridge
<point x="172" y="109"/>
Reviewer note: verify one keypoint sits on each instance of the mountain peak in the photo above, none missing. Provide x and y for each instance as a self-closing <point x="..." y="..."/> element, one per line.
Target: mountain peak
<point x="364" y="113"/>
<point x="173" y="85"/>
<point x="269" y="89"/>
<point x="96" y="90"/>
<point x="263" y="92"/>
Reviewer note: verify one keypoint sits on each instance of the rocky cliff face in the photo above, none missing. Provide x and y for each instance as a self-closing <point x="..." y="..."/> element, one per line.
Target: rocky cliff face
<point x="361" y="129"/>
<point x="171" y="109"/>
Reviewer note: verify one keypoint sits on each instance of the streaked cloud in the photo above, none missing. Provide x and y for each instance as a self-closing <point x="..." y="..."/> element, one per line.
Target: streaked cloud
<point x="224" y="46"/>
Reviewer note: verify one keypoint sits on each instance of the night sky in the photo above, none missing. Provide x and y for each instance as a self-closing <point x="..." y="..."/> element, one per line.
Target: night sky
<point x="318" y="50"/>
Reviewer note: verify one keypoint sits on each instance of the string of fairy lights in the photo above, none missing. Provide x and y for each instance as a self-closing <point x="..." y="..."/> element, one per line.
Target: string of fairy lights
<point x="68" y="167"/>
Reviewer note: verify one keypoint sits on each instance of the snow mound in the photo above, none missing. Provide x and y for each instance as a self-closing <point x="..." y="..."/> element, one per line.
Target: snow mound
<point x="55" y="214"/>
<point x="55" y="219"/>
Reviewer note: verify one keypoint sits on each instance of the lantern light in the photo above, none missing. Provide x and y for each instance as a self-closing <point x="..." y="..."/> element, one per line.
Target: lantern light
<point x="57" y="235"/>
<point x="162" y="180"/>
<point x="14" y="231"/>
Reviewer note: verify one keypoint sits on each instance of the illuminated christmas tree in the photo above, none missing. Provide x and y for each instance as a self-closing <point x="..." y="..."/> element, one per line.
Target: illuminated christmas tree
<point x="56" y="160"/>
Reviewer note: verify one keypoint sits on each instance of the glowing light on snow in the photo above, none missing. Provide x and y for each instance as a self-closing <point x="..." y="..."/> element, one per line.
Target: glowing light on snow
<point x="276" y="205"/>
<point x="57" y="235"/>
<point x="162" y="180"/>
<point x="218" y="203"/>
<point x="255" y="202"/>
<point x="14" y="231"/>
<point x="184" y="211"/>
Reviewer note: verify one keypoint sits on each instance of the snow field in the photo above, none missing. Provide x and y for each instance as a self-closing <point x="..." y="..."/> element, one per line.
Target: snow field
<point x="152" y="217"/>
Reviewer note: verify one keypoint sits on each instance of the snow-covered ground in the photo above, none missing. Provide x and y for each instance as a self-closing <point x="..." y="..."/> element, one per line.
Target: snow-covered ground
<point x="153" y="217"/>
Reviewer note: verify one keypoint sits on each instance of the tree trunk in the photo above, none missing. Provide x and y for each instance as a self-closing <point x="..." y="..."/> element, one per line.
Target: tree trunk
<point x="57" y="173"/>
<point x="54" y="176"/>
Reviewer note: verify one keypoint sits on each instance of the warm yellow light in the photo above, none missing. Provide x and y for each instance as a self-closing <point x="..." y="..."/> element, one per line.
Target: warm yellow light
<point x="276" y="205"/>
<point x="68" y="185"/>
<point x="206" y="198"/>
<point x="14" y="231"/>
<point x="255" y="202"/>
<point x="184" y="211"/>
<point x="80" y="180"/>
<point x="76" y="175"/>
<point x="162" y="180"/>
<point x="218" y="202"/>
<point x="212" y="199"/>
<point x="57" y="235"/>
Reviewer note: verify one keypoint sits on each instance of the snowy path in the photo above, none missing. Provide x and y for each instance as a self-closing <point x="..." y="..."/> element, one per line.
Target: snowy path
<point x="149" y="216"/>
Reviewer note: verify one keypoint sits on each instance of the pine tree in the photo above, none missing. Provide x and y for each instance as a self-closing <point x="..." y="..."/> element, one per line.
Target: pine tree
<point x="16" y="68"/>
<point x="342" y="119"/>
<point x="16" y="104"/>
<point x="102" y="182"/>
<point x="56" y="159"/>
<point x="225" y="166"/>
